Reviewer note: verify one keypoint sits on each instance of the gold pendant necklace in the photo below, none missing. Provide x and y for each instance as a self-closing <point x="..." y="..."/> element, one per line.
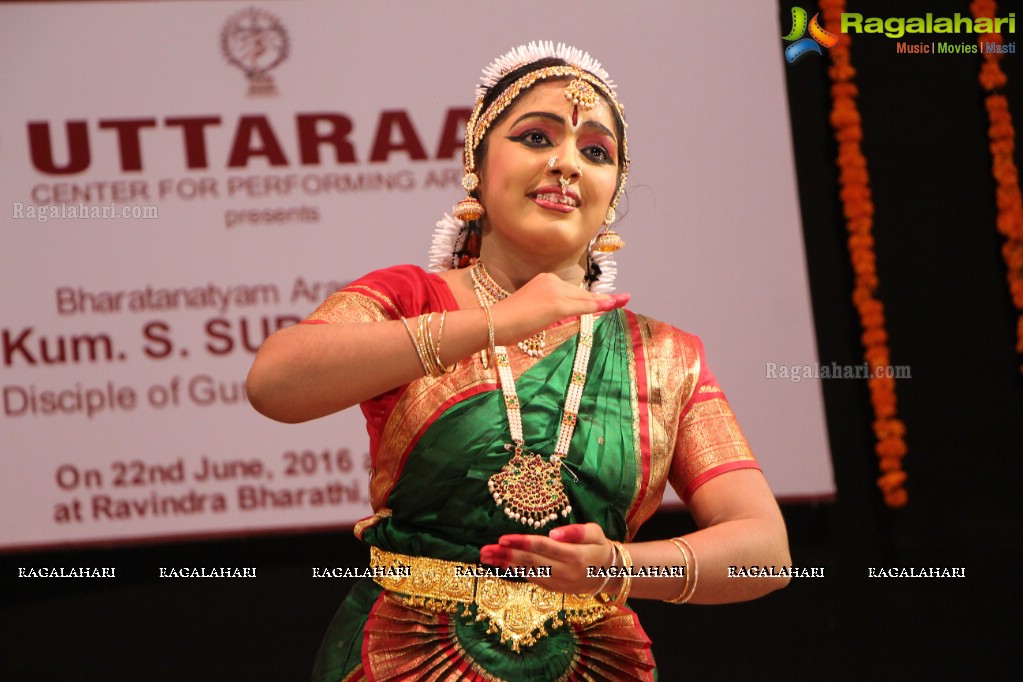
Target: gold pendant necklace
<point x="529" y="487"/>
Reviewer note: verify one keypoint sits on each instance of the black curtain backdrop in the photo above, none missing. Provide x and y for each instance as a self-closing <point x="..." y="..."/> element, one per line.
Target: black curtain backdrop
<point x="950" y="319"/>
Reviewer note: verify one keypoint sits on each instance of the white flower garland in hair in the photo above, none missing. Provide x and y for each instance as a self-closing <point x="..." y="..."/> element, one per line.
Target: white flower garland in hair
<point x="605" y="283"/>
<point x="535" y="51"/>
<point x="450" y="235"/>
<point x="445" y="243"/>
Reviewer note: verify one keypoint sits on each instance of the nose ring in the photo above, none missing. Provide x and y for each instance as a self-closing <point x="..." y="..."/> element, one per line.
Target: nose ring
<point x="551" y="161"/>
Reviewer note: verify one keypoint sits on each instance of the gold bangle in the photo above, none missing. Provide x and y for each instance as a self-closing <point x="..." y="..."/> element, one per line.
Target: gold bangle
<point x="607" y="578"/>
<point x="431" y="348"/>
<point x="680" y="598"/>
<point x="623" y="591"/>
<point x="488" y="352"/>
<point x="623" y="594"/>
<point x="601" y="596"/>
<point x="425" y="342"/>
<point x="415" y="344"/>
<point x="440" y="335"/>
<point x="683" y="598"/>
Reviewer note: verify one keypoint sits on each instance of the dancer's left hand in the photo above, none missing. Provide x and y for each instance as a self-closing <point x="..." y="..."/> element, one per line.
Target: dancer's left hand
<point x="567" y="550"/>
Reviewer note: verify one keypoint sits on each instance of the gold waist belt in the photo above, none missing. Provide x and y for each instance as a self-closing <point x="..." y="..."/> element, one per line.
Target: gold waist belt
<point x="518" y="611"/>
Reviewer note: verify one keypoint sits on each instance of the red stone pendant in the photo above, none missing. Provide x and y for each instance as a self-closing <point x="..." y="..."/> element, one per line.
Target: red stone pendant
<point x="530" y="489"/>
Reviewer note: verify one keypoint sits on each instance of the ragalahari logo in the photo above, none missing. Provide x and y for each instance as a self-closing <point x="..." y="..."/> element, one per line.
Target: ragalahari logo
<point x="804" y="46"/>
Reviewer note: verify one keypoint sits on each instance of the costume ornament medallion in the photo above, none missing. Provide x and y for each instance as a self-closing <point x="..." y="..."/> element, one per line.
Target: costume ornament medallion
<point x="520" y="612"/>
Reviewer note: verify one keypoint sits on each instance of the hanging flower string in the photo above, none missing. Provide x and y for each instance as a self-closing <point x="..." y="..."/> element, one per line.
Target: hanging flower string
<point x="858" y="209"/>
<point x="1002" y="145"/>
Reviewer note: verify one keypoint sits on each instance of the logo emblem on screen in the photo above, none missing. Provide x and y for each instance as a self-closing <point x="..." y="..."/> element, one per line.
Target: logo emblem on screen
<point x="255" y="41"/>
<point x="804" y="46"/>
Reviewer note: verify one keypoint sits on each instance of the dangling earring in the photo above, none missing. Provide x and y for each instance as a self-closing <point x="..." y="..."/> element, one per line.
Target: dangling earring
<point x="469" y="208"/>
<point x="608" y="240"/>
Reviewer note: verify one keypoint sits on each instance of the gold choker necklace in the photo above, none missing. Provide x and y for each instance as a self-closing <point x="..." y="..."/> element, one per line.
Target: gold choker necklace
<point x="489" y="292"/>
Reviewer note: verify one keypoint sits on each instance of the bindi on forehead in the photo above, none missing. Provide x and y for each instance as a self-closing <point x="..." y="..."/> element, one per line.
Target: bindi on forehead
<point x="566" y="102"/>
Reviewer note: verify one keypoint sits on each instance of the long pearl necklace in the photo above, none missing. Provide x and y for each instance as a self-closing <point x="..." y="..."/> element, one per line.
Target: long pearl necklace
<point x="528" y="486"/>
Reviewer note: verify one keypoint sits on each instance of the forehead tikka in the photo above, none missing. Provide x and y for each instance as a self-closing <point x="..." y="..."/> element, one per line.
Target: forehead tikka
<point x="580" y="94"/>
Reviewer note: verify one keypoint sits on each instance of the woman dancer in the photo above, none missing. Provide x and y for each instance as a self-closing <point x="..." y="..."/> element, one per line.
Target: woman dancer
<point x="523" y="424"/>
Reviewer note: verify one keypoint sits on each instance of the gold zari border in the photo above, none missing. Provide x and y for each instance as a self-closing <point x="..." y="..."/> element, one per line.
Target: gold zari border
<point x="672" y="364"/>
<point x="710" y="436"/>
<point x="519" y="612"/>
<point x="348" y="306"/>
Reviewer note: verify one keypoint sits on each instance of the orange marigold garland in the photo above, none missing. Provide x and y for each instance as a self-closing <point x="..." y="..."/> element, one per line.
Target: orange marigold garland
<point x="858" y="208"/>
<point x="1003" y="144"/>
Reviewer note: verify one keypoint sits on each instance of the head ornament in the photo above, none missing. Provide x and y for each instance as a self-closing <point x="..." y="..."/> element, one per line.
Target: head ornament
<point x="587" y="82"/>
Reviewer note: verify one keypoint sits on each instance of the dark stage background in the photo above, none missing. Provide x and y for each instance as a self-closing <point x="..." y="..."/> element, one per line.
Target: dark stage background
<point x="949" y="317"/>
